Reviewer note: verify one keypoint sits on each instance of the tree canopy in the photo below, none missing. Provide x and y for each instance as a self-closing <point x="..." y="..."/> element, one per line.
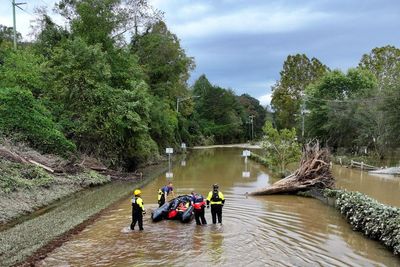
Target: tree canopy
<point x="297" y="73"/>
<point x="120" y="101"/>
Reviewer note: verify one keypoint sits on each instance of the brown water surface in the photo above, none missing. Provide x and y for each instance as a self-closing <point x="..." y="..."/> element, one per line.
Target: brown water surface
<point x="256" y="231"/>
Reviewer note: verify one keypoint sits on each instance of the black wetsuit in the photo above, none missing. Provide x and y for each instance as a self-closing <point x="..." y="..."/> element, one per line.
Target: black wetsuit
<point x="217" y="200"/>
<point x="137" y="212"/>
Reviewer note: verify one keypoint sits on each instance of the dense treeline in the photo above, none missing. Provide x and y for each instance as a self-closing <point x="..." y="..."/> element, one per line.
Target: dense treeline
<point x="354" y="111"/>
<point x="113" y="84"/>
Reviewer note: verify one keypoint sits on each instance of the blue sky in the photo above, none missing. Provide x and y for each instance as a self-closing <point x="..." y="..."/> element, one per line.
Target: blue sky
<point x="241" y="44"/>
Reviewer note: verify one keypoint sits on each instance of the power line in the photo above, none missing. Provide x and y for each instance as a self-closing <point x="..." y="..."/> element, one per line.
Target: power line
<point x="359" y="100"/>
<point x="26" y="11"/>
<point x="44" y="2"/>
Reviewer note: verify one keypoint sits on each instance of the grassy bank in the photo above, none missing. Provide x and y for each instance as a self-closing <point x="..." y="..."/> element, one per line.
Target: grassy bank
<point x="375" y="220"/>
<point x="26" y="188"/>
<point x="35" y="236"/>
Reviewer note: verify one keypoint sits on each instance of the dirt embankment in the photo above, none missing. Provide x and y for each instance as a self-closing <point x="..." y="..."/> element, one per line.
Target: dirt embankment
<point x="27" y="189"/>
<point x="30" y="181"/>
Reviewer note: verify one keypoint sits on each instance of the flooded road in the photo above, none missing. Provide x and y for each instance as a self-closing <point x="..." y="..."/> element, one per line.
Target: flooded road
<point x="256" y="231"/>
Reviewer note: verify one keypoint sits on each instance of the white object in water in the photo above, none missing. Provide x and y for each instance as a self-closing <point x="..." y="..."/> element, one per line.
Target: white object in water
<point x="392" y="170"/>
<point x="245" y="174"/>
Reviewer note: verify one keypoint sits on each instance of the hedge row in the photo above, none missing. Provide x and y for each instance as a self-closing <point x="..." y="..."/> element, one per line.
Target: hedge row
<point x="259" y="159"/>
<point x="375" y="220"/>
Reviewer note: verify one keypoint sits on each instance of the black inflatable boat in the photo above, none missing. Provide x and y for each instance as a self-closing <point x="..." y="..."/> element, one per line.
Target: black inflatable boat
<point x="179" y="208"/>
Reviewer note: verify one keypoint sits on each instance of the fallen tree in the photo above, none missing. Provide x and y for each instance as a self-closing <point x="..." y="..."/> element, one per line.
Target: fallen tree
<point x="66" y="167"/>
<point x="313" y="173"/>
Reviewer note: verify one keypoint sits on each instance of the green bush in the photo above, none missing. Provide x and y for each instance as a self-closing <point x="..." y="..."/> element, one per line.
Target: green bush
<point x="375" y="220"/>
<point x="26" y="119"/>
<point x="259" y="159"/>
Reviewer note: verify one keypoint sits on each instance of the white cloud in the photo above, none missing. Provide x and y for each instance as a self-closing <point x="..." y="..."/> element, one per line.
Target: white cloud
<point x="265" y="100"/>
<point x="250" y="20"/>
<point x="23" y="23"/>
<point x="197" y="9"/>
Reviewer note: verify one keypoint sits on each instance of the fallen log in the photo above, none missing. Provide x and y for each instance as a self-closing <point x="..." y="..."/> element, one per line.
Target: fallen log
<point x="11" y="156"/>
<point x="14" y="157"/>
<point x="93" y="164"/>
<point x="314" y="172"/>
<point x="41" y="166"/>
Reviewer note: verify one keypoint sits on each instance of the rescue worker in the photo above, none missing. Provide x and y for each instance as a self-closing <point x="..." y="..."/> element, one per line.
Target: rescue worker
<point x="217" y="201"/>
<point x="198" y="204"/>
<point x="137" y="210"/>
<point x="164" y="192"/>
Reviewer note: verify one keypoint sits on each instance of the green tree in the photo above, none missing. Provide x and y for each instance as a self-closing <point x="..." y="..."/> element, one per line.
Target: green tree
<point x="297" y="73"/>
<point x="253" y="108"/>
<point x="48" y="34"/>
<point x="164" y="123"/>
<point x="102" y="17"/>
<point x="103" y="120"/>
<point x="7" y="34"/>
<point x="380" y="116"/>
<point x="218" y="112"/>
<point x="108" y="20"/>
<point x="164" y="61"/>
<point x="384" y="63"/>
<point x="22" y="68"/>
<point x="166" y="67"/>
<point x="281" y="147"/>
<point x="333" y="104"/>
<point x="391" y="113"/>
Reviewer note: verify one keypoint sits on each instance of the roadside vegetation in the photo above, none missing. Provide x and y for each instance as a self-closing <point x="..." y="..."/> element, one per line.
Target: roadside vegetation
<point x="353" y="112"/>
<point x="27" y="187"/>
<point x="375" y="220"/>
<point x="118" y="92"/>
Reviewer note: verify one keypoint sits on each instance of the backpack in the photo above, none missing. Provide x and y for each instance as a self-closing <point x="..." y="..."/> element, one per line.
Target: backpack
<point x="215" y="197"/>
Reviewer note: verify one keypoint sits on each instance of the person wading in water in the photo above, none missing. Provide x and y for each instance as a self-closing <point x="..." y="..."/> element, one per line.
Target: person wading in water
<point x="217" y="201"/>
<point x="164" y="192"/>
<point x="198" y="205"/>
<point x="137" y="210"/>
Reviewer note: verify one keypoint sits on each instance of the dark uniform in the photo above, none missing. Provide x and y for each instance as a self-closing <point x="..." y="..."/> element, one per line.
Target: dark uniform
<point x="199" y="204"/>
<point x="217" y="201"/>
<point x="137" y="212"/>
<point x="163" y="193"/>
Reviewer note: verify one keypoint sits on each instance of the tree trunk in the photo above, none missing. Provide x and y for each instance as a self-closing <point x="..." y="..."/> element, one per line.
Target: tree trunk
<point x="314" y="172"/>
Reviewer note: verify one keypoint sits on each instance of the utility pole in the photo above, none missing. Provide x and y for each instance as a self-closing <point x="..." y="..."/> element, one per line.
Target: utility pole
<point x="302" y="122"/>
<point x="252" y="126"/>
<point x="303" y="110"/>
<point x="248" y="129"/>
<point x="15" y="22"/>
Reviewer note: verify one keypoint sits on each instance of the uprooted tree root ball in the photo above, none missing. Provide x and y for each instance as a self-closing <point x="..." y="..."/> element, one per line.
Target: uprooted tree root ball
<point x="314" y="172"/>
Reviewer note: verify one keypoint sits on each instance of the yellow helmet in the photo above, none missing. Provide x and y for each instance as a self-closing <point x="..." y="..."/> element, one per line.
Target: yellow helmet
<point x="137" y="192"/>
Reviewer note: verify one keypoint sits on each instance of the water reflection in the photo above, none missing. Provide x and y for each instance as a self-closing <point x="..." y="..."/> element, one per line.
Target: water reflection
<point x="384" y="188"/>
<point x="257" y="231"/>
<point x="215" y="244"/>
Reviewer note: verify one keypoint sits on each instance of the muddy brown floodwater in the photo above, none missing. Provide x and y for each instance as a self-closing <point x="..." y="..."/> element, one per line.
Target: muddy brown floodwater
<point x="256" y="231"/>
